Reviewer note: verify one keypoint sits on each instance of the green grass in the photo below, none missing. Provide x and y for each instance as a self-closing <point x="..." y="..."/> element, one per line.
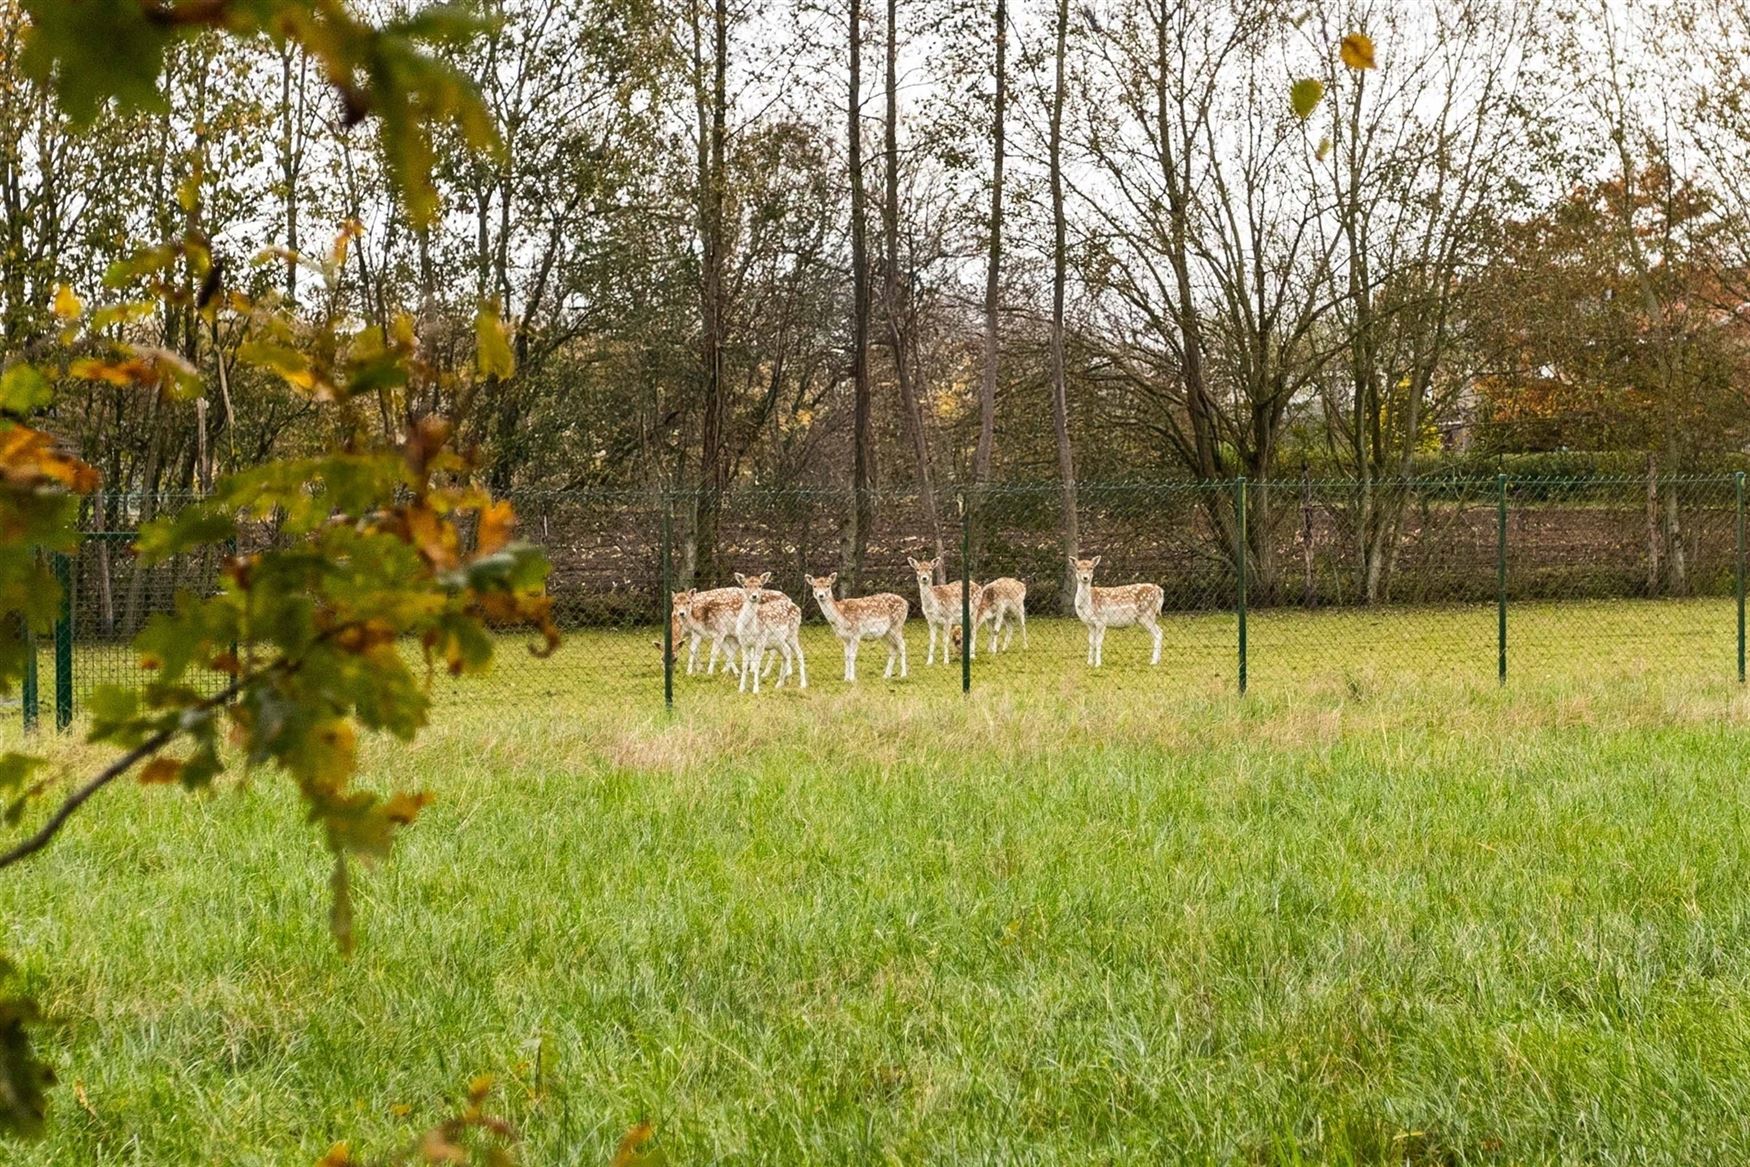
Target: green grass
<point x="1379" y="910"/>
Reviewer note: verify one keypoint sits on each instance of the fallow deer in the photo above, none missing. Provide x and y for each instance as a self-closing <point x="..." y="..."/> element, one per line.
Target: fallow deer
<point x="768" y="621"/>
<point x="1000" y="603"/>
<point x="1119" y="607"/>
<point x="939" y="604"/>
<point x="708" y="615"/>
<point x="878" y="617"/>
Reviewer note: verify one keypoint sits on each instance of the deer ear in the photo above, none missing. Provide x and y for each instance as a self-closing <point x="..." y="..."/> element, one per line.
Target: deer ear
<point x="1094" y="562"/>
<point x="765" y="578"/>
<point x="741" y="579"/>
<point x="832" y="579"/>
<point x="913" y="562"/>
<point x="1072" y="561"/>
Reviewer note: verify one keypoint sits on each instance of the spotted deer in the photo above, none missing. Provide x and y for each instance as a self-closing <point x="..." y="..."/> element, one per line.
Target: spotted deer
<point x="768" y="621"/>
<point x="940" y="606"/>
<point x="708" y="615"/>
<point x="1120" y="607"/>
<point x="1001" y="603"/>
<point x="878" y="617"/>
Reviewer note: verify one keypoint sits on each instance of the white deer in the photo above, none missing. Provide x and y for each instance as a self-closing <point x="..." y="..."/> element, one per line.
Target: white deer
<point x="878" y="617"/>
<point x="1000" y="603"/>
<point x="767" y="622"/>
<point x="1120" y="607"/>
<point x="940" y="605"/>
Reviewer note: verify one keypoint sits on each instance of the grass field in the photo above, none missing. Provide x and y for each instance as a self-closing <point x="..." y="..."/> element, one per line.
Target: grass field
<point x="1378" y="910"/>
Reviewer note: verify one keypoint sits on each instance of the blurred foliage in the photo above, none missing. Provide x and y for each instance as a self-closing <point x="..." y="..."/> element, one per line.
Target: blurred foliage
<point x="390" y="562"/>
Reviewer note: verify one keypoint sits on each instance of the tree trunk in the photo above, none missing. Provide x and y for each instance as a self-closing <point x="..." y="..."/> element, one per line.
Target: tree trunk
<point x="713" y="479"/>
<point x="1309" y="595"/>
<point x="987" y="387"/>
<point x="896" y="299"/>
<point x="1070" y="530"/>
<point x="862" y="409"/>
<point x="1655" y="556"/>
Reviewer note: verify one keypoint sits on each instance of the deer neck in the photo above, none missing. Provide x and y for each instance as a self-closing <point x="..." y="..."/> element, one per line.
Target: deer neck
<point x="835" y="616"/>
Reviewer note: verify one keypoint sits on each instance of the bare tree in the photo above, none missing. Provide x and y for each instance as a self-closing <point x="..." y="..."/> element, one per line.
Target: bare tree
<point x="898" y="295"/>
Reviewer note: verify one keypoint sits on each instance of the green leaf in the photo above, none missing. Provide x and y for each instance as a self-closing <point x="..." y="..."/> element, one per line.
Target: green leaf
<point x="93" y="51"/>
<point x="1304" y="96"/>
<point x="24" y="1078"/>
<point x="23" y="390"/>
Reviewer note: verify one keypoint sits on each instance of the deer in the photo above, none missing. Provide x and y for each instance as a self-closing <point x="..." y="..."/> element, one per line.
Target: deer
<point x="707" y="615"/>
<point x="940" y="605"/>
<point x="1120" y="607"/>
<point x="766" y="621"/>
<point x="878" y="617"/>
<point x="1000" y="603"/>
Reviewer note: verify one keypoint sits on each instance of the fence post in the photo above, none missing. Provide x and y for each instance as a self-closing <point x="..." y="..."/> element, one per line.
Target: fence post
<point x="1501" y="578"/>
<point x="28" y="690"/>
<point x="966" y="629"/>
<point x="1738" y="481"/>
<point x="64" y="643"/>
<point x="665" y="612"/>
<point x="1240" y="556"/>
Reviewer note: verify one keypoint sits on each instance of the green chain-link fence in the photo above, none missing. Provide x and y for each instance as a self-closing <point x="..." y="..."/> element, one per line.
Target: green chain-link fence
<point x="1288" y="583"/>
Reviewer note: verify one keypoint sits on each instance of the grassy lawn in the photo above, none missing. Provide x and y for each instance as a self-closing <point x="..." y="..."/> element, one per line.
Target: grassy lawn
<point x="1378" y="910"/>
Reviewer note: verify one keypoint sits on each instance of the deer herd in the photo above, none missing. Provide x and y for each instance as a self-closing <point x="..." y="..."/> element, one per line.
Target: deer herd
<point x="752" y="628"/>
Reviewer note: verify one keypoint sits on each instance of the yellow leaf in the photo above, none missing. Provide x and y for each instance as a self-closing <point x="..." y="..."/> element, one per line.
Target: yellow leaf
<point x="339" y="1155"/>
<point x="1357" y="51"/>
<point x="1324" y="150"/>
<point x="497" y="520"/>
<point x="492" y="344"/>
<point x="1304" y="96"/>
<point x="68" y="305"/>
<point x="188" y="191"/>
<point x="627" y="1154"/>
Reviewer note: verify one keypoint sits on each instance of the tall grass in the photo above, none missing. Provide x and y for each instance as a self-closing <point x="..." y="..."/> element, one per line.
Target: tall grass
<point x="1368" y="917"/>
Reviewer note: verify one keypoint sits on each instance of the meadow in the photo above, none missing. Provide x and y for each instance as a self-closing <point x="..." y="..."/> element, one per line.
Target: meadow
<point x="1378" y="910"/>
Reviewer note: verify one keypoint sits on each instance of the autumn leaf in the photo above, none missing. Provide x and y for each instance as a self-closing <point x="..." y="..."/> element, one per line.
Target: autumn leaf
<point x="493" y="353"/>
<point x="1324" y="150"/>
<point x="630" y="1152"/>
<point x="67" y="305"/>
<point x="1304" y="96"/>
<point x="161" y="771"/>
<point x="1357" y="51"/>
<point x="497" y="521"/>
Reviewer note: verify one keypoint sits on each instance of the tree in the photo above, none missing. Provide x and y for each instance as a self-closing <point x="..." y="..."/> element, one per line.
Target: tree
<point x="862" y="433"/>
<point x="303" y="636"/>
<point x="1069" y="531"/>
<point x="987" y="384"/>
<point x="897" y="305"/>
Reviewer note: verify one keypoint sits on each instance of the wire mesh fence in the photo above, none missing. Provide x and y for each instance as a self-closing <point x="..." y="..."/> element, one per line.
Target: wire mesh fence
<point x="690" y="597"/>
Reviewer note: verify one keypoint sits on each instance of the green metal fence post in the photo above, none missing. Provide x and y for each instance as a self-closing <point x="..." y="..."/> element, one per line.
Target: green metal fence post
<point x="666" y="612"/>
<point x="64" y="643"/>
<point x="1240" y="570"/>
<point x="28" y="690"/>
<point x="1501" y="578"/>
<point x="1738" y="482"/>
<point x="966" y="629"/>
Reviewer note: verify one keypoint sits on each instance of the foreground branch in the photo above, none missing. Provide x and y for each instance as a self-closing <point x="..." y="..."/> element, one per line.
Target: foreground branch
<point x="46" y="833"/>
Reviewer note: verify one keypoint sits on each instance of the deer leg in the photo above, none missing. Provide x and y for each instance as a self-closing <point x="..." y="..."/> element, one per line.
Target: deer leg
<point x="930" y="657"/>
<point x="1154" y="630"/>
<point x="801" y="661"/>
<point x="851" y="659"/>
